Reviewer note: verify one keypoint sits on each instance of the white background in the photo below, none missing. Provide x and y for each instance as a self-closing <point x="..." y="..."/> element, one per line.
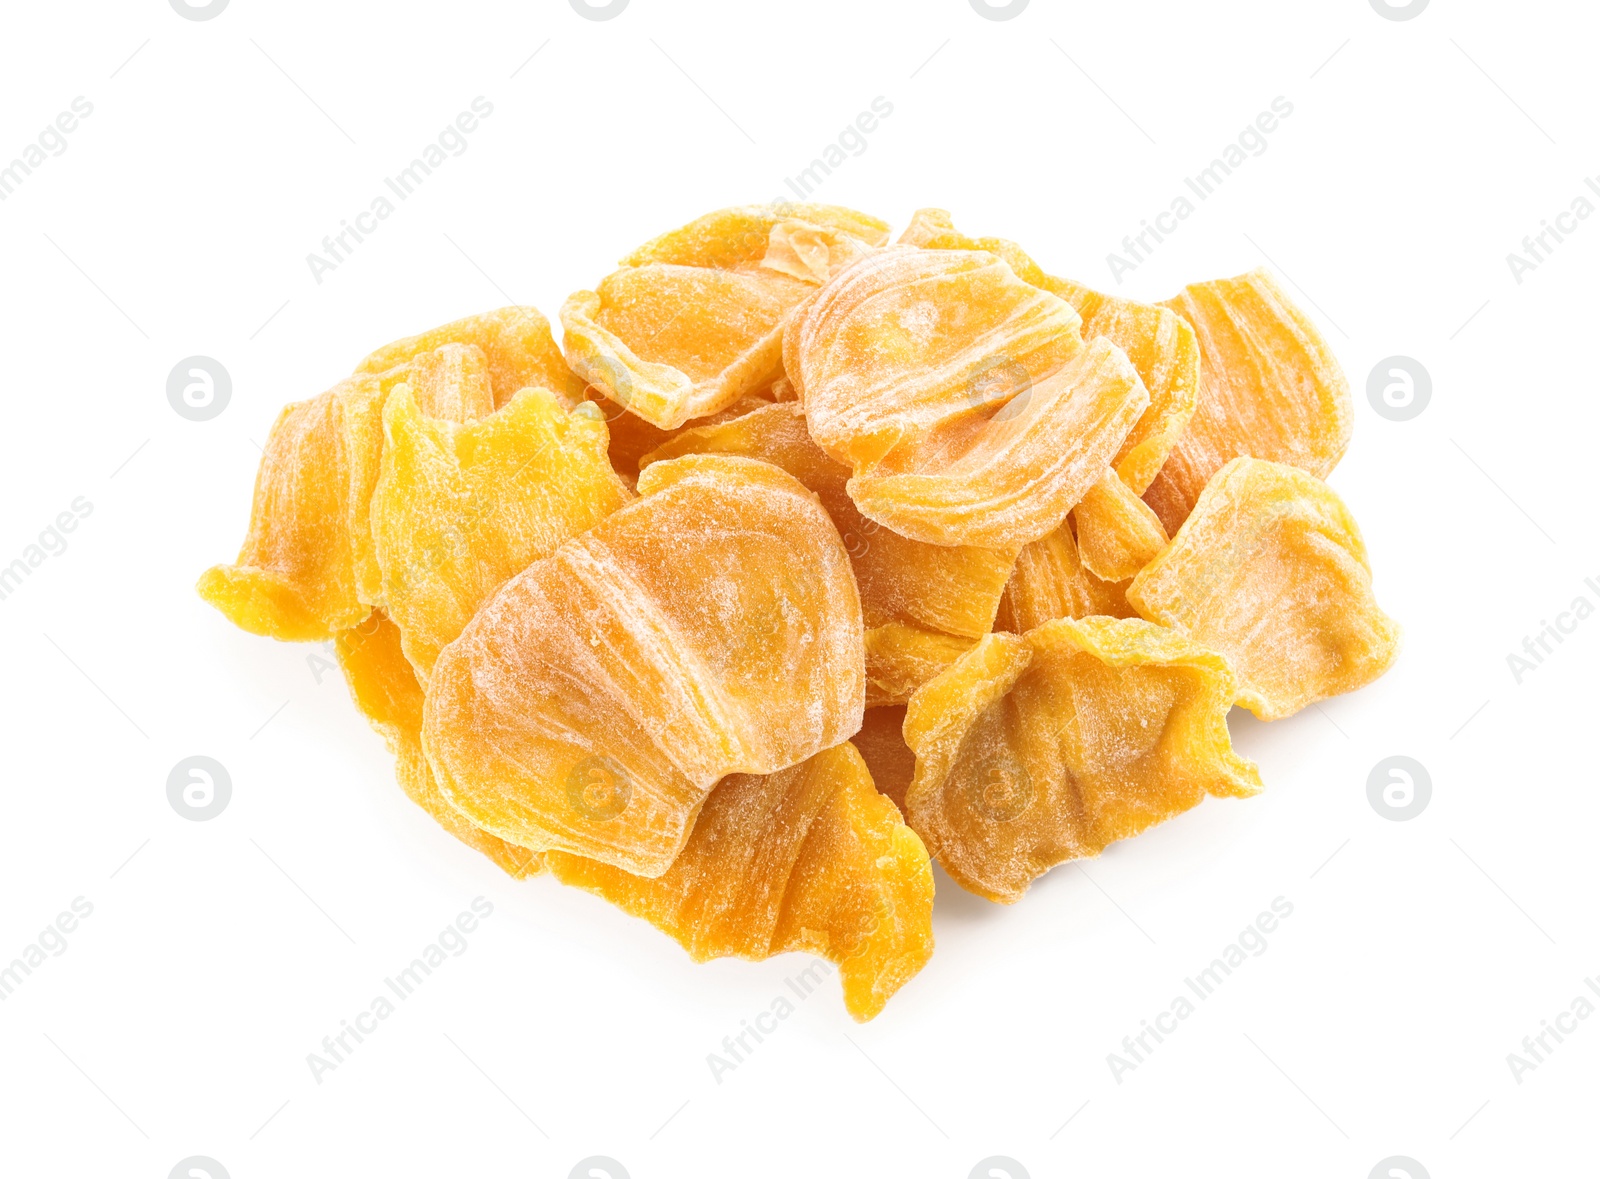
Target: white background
<point x="219" y="154"/>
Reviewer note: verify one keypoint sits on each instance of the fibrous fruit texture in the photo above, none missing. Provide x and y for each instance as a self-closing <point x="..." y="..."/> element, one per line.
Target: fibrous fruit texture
<point x="806" y="560"/>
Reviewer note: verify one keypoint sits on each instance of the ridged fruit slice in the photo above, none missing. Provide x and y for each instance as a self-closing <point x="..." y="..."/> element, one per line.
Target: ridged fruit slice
<point x="517" y="346"/>
<point x="810" y="858"/>
<point x="1270" y="570"/>
<point x="710" y="628"/>
<point x="1040" y="748"/>
<point x="461" y="508"/>
<point x="1118" y="534"/>
<point x="900" y="659"/>
<point x="1270" y="388"/>
<point x="1050" y="582"/>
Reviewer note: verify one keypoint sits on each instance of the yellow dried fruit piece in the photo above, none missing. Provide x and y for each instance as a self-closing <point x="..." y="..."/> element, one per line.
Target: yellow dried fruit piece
<point x="452" y="382"/>
<point x="1050" y="582"/>
<point x="1118" y="534"/>
<point x="1270" y="388"/>
<point x="900" y="659"/>
<point x="1270" y="570"/>
<point x="460" y="509"/>
<point x="304" y="570"/>
<point x="810" y="858"/>
<point x="517" y="346"/>
<point x="711" y="627"/>
<point x="1046" y="747"/>
<point x="672" y="343"/>
<point x="947" y="588"/>
<point x="741" y="237"/>
<point x="387" y="692"/>
<point x="632" y="437"/>
<point x="883" y="747"/>
<point x="1159" y="342"/>
<point x="961" y="396"/>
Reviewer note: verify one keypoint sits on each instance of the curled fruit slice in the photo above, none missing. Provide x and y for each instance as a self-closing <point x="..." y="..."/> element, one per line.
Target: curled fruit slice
<point x="1050" y="582"/>
<point x="460" y="509"/>
<point x="1271" y="571"/>
<point x="670" y="343"/>
<point x="954" y="589"/>
<point x="900" y="659"/>
<point x="1118" y="534"/>
<point x="305" y="570"/>
<point x="1270" y="388"/>
<point x="810" y="858"/>
<point x="1159" y="342"/>
<point x="710" y="628"/>
<point x="518" y="349"/>
<point x="387" y="692"/>
<point x="741" y="237"/>
<point x="1045" y="747"/>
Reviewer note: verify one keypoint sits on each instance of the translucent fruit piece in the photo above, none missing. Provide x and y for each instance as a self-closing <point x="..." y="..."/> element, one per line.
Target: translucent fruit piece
<point x="517" y="345"/>
<point x="883" y="747"/>
<point x="632" y="437"/>
<point x="961" y="396"/>
<point x="1159" y="342"/>
<point x="710" y="628"/>
<point x="1270" y="570"/>
<point x="1050" y="582"/>
<point x="810" y="253"/>
<point x="1036" y="749"/>
<point x="1012" y="478"/>
<point x="742" y="237"/>
<point x="672" y="343"/>
<point x="1270" y="388"/>
<point x="386" y="691"/>
<point x="1118" y="534"/>
<point x="460" y="509"/>
<point x="452" y="382"/>
<point x="951" y="589"/>
<point x="302" y="573"/>
<point x="900" y="659"/>
<point x="810" y="858"/>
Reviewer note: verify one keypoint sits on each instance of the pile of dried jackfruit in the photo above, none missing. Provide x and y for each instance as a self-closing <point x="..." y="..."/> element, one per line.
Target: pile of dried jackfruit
<point x="812" y="556"/>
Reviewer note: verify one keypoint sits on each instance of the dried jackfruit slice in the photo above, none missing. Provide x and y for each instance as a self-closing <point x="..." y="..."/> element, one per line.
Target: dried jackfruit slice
<point x="452" y="382"/>
<point x="741" y="237"/>
<point x="1159" y="342"/>
<point x="1040" y="748"/>
<point x="304" y="570"/>
<point x="961" y="396"/>
<point x="810" y="858"/>
<point x="710" y="628"/>
<point x="1010" y="479"/>
<point x="1050" y="582"/>
<point x="517" y="346"/>
<point x="632" y="437"/>
<point x="954" y="589"/>
<point x="386" y="691"/>
<point x="883" y="747"/>
<point x="1270" y="388"/>
<point x="460" y="509"/>
<point x="900" y="659"/>
<point x="672" y="343"/>
<point x="1270" y="570"/>
<point x="1118" y="534"/>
